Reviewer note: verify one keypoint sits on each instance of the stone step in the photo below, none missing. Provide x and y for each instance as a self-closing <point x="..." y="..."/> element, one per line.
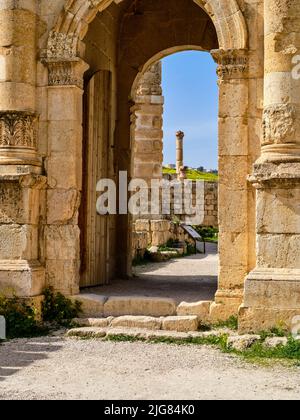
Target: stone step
<point x="169" y="323"/>
<point x="138" y="333"/>
<point x="98" y="306"/>
<point x="94" y="305"/>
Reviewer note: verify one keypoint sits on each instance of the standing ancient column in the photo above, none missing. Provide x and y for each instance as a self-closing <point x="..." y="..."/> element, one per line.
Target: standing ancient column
<point x="272" y="292"/>
<point x="64" y="170"/>
<point x="233" y="72"/>
<point x="20" y="181"/>
<point x="179" y="152"/>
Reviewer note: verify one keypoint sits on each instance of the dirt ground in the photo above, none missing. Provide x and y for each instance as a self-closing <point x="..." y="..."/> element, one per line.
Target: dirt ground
<point x="60" y="368"/>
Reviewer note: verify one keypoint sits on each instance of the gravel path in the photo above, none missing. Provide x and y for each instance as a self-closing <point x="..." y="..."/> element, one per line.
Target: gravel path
<point x="60" y="368"/>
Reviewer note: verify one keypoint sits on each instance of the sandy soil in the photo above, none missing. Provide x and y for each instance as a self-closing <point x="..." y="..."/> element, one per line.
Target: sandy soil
<point x="60" y="368"/>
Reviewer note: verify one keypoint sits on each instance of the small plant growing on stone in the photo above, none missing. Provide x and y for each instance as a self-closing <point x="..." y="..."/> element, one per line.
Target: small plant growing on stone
<point x="20" y="318"/>
<point x="231" y="323"/>
<point x="59" y="310"/>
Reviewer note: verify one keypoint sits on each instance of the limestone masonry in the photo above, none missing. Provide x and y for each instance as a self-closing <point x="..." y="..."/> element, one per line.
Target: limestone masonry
<point x="71" y="113"/>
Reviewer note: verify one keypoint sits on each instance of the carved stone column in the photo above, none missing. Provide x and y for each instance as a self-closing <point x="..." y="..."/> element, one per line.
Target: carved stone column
<point x="272" y="291"/>
<point x="64" y="171"/>
<point x="179" y="152"/>
<point x="18" y="119"/>
<point x="233" y="186"/>
<point x="21" y="272"/>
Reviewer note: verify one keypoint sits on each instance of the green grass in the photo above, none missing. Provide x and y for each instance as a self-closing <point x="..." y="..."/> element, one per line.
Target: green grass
<point x="194" y="175"/>
<point x="232" y="323"/>
<point x="209" y="234"/>
<point x="258" y="353"/>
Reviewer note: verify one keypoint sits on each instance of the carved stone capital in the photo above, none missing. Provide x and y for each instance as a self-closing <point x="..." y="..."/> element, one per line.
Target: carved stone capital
<point x="18" y="130"/>
<point x="66" y="72"/>
<point x="18" y="139"/>
<point x="232" y="64"/>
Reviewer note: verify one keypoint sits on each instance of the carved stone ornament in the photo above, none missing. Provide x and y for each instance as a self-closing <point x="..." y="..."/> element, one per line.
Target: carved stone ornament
<point x="61" y="46"/>
<point x="279" y="124"/>
<point x="18" y="129"/>
<point x="231" y="63"/>
<point x="66" y="72"/>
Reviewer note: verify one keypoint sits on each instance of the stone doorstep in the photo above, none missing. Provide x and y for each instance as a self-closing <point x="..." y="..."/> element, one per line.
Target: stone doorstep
<point x="99" y="306"/>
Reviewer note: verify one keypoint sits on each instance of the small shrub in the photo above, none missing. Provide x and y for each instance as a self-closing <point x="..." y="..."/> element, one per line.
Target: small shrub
<point x="231" y="323"/>
<point x="20" y="318"/>
<point x="58" y="309"/>
<point x="208" y="234"/>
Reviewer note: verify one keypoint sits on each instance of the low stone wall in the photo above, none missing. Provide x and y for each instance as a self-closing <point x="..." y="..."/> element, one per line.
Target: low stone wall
<point x="156" y="233"/>
<point x="210" y="204"/>
<point x="207" y="206"/>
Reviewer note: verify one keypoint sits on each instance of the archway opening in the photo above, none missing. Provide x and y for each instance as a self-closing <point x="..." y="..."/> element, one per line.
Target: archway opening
<point x="175" y="247"/>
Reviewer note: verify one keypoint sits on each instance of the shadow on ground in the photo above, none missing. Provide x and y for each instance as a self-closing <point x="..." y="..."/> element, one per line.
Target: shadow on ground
<point x="28" y="352"/>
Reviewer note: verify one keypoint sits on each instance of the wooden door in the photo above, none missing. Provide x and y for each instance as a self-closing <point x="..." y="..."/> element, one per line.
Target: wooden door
<point x="95" y="228"/>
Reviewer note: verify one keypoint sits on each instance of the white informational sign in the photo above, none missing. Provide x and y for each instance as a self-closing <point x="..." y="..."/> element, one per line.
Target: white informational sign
<point x="2" y="328"/>
<point x="192" y="232"/>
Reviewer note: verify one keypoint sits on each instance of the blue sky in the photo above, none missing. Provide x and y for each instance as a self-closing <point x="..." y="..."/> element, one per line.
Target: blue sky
<point x="191" y="105"/>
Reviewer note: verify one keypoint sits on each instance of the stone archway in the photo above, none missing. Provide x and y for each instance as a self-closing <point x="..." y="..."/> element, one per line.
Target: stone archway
<point x="41" y="117"/>
<point x="65" y="51"/>
<point x="72" y="25"/>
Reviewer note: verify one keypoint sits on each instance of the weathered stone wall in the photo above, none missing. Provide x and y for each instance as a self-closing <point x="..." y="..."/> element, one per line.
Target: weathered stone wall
<point x="156" y="233"/>
<point x="211" y="204"/>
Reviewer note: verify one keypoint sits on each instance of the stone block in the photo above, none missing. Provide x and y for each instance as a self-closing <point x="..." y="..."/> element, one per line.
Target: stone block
<point x="278" y="251"/>
<point x="231" y="93"/>
<point x="144" y="322"/>
<point x="278" y="211"/>
<point x="142" y="225"/>
<point x="134" y="305"/>
<point x="64" y="103"/>
<point x="233" y="136"/>
<point x="92" y="305"/>
<point x="62" y="242"/>
<point x="70" y="174"/>
<point x="18" y="205"/>
<point x="62" y="206"/>
<point x="63" y="275"/>
<point x="242" y="342"/>
<point x="273" y="288"/>
<point x="93" y="322"/>
<point x="160" y="225"/>
<point x="273" y="342"/>
<point x="199" y="309"/>
<point x="18" y="242"/>
<point x="233" y="249"/>
<point x="180" y="323"/>
<point x="21" y="278"/>
<point x="87" y="332"/>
